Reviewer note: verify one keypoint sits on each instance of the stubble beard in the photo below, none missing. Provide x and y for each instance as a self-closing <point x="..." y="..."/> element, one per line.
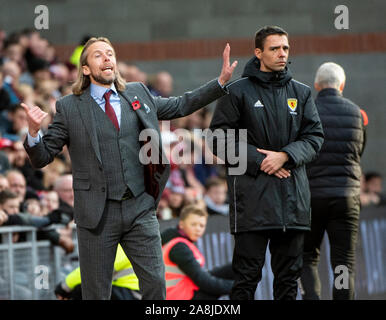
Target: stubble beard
<point x="100" y="79"/>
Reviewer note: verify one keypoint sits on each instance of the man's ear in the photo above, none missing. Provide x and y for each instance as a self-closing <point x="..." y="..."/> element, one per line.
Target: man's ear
<point x="258" y="53"/>
<point x="317" y="86"/>
<point x="341" y="87"/>
<point x="86" y="70"/>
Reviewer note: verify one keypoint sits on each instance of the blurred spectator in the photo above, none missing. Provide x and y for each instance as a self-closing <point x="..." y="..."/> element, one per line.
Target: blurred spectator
<point x="195" y="120"/>
<point x="176" y="200"/>
<point x="52" y="172"/>
<point x="17" y="159"/>
<point x="193" y="196"/>
<point x="39" y="71"/>
<point x="49" y="201"/>
<point x="13" y="51"/>
<point x="60" y="73"/>
<point x="161" y="84"/>
<point x="372" y="190"/>
<point x="18" y="155"/>
<point x="63" y="186"/>
<point x="216" y="196"/>
<point x="33" y="207"/>
<point x="27" y="93"/>
<point x="17" y="183"/>
<point x="11" y="74"/>
<point x="10" y="203"/>
<point x="136" y="75"/>
<point x="123" y="69"/>
<point x="202" y="170"/>
<point x="14" y="125"/>
<point x="5" y="146"/>
<point x="4" y="184"/>
<point x="5" y="100"/>
<point x="34" y="177"/>
<point x="164" y="212"/>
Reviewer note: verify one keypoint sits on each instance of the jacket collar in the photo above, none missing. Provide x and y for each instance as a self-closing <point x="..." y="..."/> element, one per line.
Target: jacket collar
<point x="277" y="78"/>
<point x="329" y="92"/>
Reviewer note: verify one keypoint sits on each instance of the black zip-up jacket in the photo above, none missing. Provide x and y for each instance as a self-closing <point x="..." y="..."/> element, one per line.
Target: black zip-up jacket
<point x="279" y="115"/>
<point x="183" y="257"/>
<point x="336" y="172"/>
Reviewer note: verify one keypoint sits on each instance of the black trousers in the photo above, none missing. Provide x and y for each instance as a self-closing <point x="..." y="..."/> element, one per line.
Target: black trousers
<point x="286" y="250"/>
<point x="340" y="218"/>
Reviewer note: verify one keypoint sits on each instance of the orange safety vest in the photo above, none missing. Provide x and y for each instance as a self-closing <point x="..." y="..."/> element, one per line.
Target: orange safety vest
<point x="178" y="285"/>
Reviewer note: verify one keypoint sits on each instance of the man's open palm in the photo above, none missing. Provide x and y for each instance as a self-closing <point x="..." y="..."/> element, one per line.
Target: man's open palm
<point x="227" y="68"/>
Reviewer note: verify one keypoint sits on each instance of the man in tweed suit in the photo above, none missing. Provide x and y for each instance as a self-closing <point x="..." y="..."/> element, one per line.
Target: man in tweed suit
<point x="115" y="195"/>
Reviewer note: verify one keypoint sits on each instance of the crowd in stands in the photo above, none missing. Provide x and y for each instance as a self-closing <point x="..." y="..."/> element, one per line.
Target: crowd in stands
<point x="31" y="72"/>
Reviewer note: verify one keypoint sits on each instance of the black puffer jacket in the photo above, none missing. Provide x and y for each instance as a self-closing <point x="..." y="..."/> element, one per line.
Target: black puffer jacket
<point x="259" y="103"/>
<point x="336" y="172"/>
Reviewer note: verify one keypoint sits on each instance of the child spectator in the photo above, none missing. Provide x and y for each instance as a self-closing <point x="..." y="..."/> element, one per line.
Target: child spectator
<point x="186" y="278"/>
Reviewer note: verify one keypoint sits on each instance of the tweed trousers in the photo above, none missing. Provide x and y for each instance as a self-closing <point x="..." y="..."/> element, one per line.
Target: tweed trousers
<point x="133" y="224"/>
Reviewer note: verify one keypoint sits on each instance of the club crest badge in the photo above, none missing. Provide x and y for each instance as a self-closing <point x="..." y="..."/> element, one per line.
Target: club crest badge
<point x="292" y="104"/>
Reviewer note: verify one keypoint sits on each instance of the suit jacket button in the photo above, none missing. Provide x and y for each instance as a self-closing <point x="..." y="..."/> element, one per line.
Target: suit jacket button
<point x="103" y="189"/>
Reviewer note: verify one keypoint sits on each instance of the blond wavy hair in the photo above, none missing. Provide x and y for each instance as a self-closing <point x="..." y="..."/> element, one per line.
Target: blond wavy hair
<point x="82" y="81"/>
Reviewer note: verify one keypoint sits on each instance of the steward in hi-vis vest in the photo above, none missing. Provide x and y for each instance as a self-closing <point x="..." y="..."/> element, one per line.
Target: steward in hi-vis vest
<point x="186" y="278"/>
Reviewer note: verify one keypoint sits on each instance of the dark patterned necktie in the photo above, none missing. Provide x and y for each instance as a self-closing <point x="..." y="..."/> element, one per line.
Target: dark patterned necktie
<point x="109" y="109"/>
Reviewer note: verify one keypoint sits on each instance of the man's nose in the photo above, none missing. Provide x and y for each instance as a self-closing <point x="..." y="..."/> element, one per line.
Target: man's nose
<point x="282" y="53"/>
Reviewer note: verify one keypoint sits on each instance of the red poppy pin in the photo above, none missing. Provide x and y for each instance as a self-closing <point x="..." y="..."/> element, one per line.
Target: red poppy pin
<point x="136" y="105"/>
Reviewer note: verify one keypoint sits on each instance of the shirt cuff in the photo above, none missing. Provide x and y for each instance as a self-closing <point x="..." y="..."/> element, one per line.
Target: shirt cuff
<point x="33" y="141"/>
<point x="224" y="87"/>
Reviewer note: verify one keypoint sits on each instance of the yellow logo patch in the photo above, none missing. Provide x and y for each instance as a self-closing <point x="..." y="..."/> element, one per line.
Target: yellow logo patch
<point x="292" y="103"/>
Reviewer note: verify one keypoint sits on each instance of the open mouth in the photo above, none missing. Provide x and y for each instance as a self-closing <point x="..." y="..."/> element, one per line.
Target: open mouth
<point x="107" y="69"/>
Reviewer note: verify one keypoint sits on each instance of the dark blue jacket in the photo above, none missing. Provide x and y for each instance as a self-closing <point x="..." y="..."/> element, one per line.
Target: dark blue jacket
<point x="336" y="172"/>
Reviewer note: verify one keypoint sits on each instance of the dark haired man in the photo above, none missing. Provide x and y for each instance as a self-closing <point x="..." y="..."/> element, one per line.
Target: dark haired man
<point x="271" y="201"/>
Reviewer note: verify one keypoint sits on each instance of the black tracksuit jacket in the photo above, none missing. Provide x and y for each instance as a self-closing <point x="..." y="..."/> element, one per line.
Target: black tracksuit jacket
<point x="259" y="103"/>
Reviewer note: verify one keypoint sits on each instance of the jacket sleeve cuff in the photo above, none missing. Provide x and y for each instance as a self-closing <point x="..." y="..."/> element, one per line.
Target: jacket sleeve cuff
<point x="291" y="163"/>
<point x="223" y="87"/>
<point x="33" y="141"/>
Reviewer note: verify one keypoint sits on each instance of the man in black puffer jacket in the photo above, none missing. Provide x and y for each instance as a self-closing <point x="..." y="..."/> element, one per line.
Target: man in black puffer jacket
<point x="335" y="185"/>
<point x="271" y="200"/>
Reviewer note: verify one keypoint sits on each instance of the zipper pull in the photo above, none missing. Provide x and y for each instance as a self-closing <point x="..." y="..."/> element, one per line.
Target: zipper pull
<point x="284" y="228"/>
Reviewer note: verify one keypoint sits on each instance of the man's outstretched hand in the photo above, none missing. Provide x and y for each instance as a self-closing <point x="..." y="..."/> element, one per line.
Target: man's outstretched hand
<point x="35" y="117"/>
<point x="227" y="68"/>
